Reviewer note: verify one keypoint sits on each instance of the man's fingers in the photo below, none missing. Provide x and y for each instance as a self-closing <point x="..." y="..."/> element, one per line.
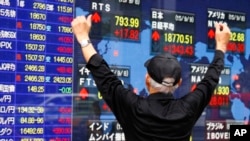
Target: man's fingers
<point x="221" y="27"/>
<point x="217" y="26"/>
<point x="89" y="19"/>
<point x="226" y="28"/>
<point x="73" y="22"/>
<point x="78" y="19"/>
<point x="81" y="19"/>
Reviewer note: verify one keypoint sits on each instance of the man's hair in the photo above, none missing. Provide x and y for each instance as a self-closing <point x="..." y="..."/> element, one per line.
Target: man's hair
<point x="161" y="87"/>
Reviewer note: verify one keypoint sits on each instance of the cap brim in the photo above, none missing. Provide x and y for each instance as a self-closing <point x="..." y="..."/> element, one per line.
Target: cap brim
<point x="146" y="63"/>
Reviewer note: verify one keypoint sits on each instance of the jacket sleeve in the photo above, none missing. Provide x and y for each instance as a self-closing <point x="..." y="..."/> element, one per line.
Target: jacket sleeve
<point x="111" y="88"/>
<point x="203" y="92"/>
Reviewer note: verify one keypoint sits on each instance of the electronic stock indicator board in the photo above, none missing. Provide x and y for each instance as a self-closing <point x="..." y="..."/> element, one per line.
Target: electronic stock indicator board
<point x="236" y="22"/>
<point x="116" y="19"/>
<point x="35" y="69"/>
<point x="172" y="32"/>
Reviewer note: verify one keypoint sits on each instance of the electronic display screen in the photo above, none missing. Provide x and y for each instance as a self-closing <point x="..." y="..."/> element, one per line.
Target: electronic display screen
<point x="48" y="94"/>
<point x="172" y="32"/>
<point x="237" y="22"/>
<point x="36" y="69"/>
<point x="116" y="20"/>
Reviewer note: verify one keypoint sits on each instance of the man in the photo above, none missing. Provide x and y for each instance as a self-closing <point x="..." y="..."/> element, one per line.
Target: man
<point x="159" y="117"/>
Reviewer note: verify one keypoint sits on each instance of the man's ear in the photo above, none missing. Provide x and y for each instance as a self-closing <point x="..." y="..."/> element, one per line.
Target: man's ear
<point x="179" y="83"/>
<point x="147" y="80"/>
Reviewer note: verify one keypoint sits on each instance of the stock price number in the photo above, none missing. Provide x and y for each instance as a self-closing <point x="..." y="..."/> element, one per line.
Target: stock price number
<point x="35" y="68"/>
<point x="64" y="29"/>
<point x="179" y="49"/>
<point x="127" y="27"/>
<point x="31" y="120"/>
<point x="38" y="16"/>
<point x="34" y="78"/>
<point x="178" y="38"/>
<point x="237" y="37"/>
<point x="62" y="79"/>
<point x="37" y="37"/>
<point x="30" y="110"/>
<point x="39" y="6"/>
<point x="179" y="44"/>
<point x="236" y="43"/>
<point x="125" y="21"/>
<point x="222" y="90"/>
<point x="34" y="57"/>
<point x="31" y="131"/>
<point x="35" y="47"/>
<point x="126" y="33"/>
<point x="38" y="26"/>
<point x="63" y="59"/>
<point x="36" y="89"/>
<point x="65" y="9"/>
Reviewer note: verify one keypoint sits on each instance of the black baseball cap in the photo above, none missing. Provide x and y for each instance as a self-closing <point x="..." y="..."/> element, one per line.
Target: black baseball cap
<point x="162" y="66"/>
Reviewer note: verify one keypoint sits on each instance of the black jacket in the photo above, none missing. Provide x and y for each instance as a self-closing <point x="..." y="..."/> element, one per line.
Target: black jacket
<point x="158" y="117"/>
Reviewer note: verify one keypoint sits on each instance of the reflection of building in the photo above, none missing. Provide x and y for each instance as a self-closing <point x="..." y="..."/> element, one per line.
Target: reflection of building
<point x="84" y="109"/>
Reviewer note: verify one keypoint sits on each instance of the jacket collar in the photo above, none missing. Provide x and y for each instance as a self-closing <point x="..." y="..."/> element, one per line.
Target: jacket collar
<point x="161" y="95"/>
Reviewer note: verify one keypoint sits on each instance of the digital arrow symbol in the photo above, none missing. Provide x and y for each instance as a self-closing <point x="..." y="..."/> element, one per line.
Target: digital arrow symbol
<point x="96" y="18"/>
<point x="84" y="93"/>
<point x="211" y="34"/>
<point x="155" y="36"/>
